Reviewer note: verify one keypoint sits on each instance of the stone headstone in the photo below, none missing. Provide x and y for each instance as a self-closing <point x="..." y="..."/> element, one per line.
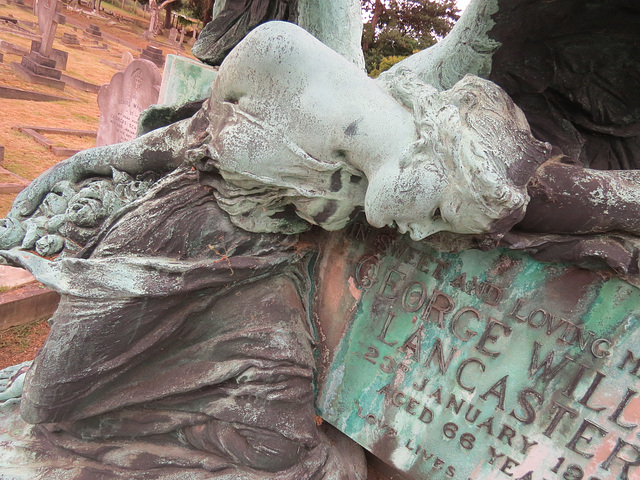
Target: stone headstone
<point x="39" y="69"/>
<point x="127" y="58"/>
<point x="185" y="80"/>
<point x="153" y="54"/>
<point x="70" y="39"/>
<point x="478" y="365"/>
<point x="173" y="34"/>
<point x="94" y="32"/>
<point x="193" y="38"/>
<point x="48" y="19"/>
<point x="60" y="57"/>
<point x="122" y="100"/>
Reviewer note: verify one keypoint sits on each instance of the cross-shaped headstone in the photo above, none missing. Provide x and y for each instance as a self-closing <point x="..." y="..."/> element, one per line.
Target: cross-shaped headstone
<point x="48" y="20"/>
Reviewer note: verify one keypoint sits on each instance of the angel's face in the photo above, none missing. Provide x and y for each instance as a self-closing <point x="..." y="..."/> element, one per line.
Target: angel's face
<point x="422" y="200"/>
<point x="410" y="198"/>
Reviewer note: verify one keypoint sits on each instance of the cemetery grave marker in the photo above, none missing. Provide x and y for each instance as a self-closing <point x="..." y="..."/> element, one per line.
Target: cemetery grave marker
<point x="479" y="365"/>
<point x="124" y="98"/>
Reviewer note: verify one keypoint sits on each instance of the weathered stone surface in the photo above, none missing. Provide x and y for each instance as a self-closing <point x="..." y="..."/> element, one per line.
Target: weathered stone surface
<point x="8" y="47"/>
<point x="122" y="100"/>
<point x="126" y="59"/>
<point x="32" y="65"/>
<point x="79" y="84"/>
<point x="173" y="34"/>
<point x="48" y="19"/>
<point x="70" y="39"/>
<point x="94" y="30"/>
<point x="27" y="304"/>
<point x="180" y="282"/>
<point x="153" y="54"/>
<point x="12" y="277"/>
<point x="479" y="364"/>
<point x="59" y="57"/>
<point x="185" y="80"/>
<point x="35" y="78"/>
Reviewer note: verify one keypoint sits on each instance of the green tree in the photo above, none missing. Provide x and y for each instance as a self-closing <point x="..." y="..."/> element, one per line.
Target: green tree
<point x="398" y="28"/>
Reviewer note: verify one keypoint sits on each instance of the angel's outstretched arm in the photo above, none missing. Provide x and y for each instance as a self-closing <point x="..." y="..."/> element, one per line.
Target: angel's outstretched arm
<point x="160" y="150"/>
<point x="570" y="199"/>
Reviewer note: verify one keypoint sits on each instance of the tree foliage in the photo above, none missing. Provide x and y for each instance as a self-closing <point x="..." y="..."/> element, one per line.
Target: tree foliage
<point x="402" y="27"/>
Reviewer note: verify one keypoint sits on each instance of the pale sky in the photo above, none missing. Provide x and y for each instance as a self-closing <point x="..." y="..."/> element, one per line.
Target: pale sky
<point x="462" y="4"/>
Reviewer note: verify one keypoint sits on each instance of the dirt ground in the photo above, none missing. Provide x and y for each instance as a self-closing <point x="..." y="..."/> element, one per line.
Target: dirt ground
<point x="19" y="344"/>
<point x="89" y="62"/>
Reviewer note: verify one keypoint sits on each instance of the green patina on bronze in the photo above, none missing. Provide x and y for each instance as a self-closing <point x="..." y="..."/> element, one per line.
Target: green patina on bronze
<point x="452" y="365"/>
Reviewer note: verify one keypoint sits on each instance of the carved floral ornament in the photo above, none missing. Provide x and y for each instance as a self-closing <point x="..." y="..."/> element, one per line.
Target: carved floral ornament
<point x="183" y="340"/>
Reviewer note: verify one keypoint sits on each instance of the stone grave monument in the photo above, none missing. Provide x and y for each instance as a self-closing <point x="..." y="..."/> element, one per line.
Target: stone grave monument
<point x="70" y="39"/>
<point x="126" y="59"/>
<point x="153" y="54"/>
<point x="173" y="35"/>
<point x="479" y="365"/>
<point x="185" y="80"/>
<point x="39" y="66"/>
<point x="123" y="99"/>
<point x="92" y="32"/>
<point x="59" y="56"/>
<point x="312" y="263"/>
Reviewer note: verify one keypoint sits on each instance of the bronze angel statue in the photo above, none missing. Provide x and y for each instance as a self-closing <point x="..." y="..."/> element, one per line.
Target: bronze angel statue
<point x="183" y="345"/>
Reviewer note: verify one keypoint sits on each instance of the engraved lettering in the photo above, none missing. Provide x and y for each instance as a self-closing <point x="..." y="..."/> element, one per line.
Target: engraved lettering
<point x="548" y="373"/>
<point x="509" y="463"/>
<point x="620" y="444"/>
<point x="488" y="337"/>
<point x="461" y="368"/>
<point x="437" y="353"/>
<point x="456" y="318"/>
<point x="390" y="284"/>
<point x="412" y="299"/>
<point x="529" y="412"/>
<point x="568" y="392"/>
<point x="453" y="404"/>
<point x="366" y="272"/>
<point x="589" y="393"/>
<point x="508" y="433"/>
<point x="598" y="351"/>
<point x="442" y="265"/>
<point x="494" y="455"/>
<point x="579" y="435"/>
<point x="490" y="294"/>
<point x="516" y="308"/>
<point x="439" y="302"/>
<point x="615" y="416"/>
<point x="413" y="344"/>
<point x="385" y="329"/>
<point x="411" y="404"/>
<point x="426" y="416"/>
<point x="526" y="444"/>
<point x="630" y="357"/>
<point x="561" y="411"/>
<point x="498" y="390"/>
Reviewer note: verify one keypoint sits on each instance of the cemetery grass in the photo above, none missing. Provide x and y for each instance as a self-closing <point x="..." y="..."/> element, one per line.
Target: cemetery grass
<point x="28" y="159"/>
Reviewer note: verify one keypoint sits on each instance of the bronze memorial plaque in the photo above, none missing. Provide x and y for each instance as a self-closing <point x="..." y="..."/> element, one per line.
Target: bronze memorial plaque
<point x="479" y="365"/>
